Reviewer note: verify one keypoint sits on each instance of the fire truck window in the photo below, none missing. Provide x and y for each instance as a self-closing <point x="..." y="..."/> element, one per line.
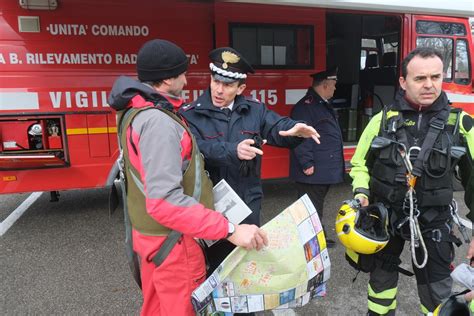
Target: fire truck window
<point x="363" y="57"/>
<point x="245" y="39"/>
<point x="445" y="46"/>
<point x="462" y="70"/>
<point x="444" y="28"/>
<point x="390" y="48"/>
<point x="274" y="46"/>
<point x="369" y="43"/>
<point x="368" y="47"/>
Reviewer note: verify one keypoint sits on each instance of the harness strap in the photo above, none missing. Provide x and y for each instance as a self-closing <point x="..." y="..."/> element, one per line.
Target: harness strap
<point x="391" y="263"/>
<point x="437" y="125"/>
<point x="438" y="236"/>
<point x="166" y="247"/>
<point x="174" y="236"/>
<point x="132" y="256"/>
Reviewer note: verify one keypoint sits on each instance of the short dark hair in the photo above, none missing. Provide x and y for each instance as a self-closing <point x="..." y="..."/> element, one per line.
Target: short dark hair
<point x="153" y="83"/>
<point x="423" y="52"/>
<point x="317" y="82"/>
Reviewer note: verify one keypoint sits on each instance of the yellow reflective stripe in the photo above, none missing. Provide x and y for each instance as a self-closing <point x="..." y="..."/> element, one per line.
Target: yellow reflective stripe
<point x="76" y="131"/>
<point x="391" y="114"/>
<point x="353" y="255"/>
<point x="97" y="130"/>
<point x="387" y="294"/>
<point x="452" y="118"/>
<point x="469" y="136"/>
<point x="424" y="310"/>
<point x="92" y="130"/>
<point x="471" y="306"/>
<point x="381" y="309"/>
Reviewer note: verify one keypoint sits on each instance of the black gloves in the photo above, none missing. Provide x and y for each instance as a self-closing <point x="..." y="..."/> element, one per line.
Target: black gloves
<point x="249" y="167"/>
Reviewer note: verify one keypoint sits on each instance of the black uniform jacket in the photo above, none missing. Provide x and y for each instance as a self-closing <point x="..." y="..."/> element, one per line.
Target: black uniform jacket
<point x="327" y="157"/>
<point x="218" y="135"/>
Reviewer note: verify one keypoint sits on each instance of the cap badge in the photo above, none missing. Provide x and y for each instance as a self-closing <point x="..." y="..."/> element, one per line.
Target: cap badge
<point x="229" y="57"/>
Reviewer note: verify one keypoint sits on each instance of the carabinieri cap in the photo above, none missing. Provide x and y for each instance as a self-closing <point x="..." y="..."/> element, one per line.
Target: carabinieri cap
<point x="228" y="65"/>
<point x="328" y="74"/>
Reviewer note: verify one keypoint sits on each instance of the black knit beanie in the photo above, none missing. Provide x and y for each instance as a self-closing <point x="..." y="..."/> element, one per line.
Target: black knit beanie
<point x="160" y="59"/>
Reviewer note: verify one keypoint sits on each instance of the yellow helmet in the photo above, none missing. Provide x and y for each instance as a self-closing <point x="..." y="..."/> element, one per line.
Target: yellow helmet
<point x="362" y="229"/>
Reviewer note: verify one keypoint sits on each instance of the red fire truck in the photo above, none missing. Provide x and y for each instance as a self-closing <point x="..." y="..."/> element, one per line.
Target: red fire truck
<point x="58" y="60"/>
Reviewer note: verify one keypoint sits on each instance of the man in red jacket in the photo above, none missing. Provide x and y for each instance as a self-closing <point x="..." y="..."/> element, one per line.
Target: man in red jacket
<point x="160" y="156"/>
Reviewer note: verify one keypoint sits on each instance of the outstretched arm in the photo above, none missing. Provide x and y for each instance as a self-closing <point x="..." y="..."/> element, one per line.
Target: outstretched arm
<point x="301" y="130"/>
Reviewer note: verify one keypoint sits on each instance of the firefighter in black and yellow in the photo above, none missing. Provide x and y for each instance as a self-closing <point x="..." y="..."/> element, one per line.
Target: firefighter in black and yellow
<point x="405" y="159"/>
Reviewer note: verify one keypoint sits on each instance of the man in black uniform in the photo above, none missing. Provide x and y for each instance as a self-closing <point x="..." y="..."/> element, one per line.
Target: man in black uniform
<point x="227" y="126"/>
<point x="315" y="167"/>
<point x="421" y="126"/>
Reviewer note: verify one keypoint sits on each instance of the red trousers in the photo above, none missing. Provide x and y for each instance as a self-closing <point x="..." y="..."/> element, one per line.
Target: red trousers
<point x="167" y="289"/>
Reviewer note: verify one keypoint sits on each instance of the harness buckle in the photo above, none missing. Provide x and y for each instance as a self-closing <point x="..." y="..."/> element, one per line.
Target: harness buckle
<point x="392" y="128"/>
<point x="436" y="235"/>
<point x="412" y="156"/>
<point x="437" y="124"/>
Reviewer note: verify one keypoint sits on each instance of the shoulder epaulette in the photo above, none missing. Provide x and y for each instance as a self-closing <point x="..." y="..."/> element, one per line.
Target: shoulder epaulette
<point x="188" y="106"/>
<point x="308" y="99"/>
<point x="392" y="113"/>
<point x="253" y="100"/>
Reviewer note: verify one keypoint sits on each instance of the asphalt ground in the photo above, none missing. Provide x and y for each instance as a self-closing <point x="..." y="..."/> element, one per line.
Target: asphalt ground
<point x="68" y="258"/>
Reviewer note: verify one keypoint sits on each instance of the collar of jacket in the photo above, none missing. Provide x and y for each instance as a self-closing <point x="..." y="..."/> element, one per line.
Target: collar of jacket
<point x="125" y="90"/>
<point x="204" y="104"/>
<point x="401" y="104"/>
<point x="315" y="96"/>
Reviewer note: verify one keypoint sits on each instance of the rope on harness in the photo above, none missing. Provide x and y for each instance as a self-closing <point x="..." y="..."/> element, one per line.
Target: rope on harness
<point x="453" y="207"/>
<point x="416" y="237"/>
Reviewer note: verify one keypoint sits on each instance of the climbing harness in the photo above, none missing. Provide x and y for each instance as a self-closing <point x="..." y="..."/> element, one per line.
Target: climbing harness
<point x="410" y="202"/>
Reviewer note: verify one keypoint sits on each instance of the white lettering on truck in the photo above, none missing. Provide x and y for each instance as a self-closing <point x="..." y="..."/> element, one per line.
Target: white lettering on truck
<point x="97" y="99"/>
<point x="14" y="58"/>
<point x="78" y="99"/>
<point x="119" y="30"/>
<point x="67" y="29"/>
<point x="76" y="58"/>
<point x="98" y="30"/>
<point x="125" y="59"/>
<point x="68" y="59"/>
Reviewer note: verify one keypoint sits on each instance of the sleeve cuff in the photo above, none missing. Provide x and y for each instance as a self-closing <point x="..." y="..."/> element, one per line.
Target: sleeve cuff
<point x="362" y="191"/>
<point x="361" y="195"/>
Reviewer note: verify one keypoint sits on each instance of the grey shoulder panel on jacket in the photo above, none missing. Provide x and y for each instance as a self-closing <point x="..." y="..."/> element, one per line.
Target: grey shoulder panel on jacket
<point x="155" y="119"/>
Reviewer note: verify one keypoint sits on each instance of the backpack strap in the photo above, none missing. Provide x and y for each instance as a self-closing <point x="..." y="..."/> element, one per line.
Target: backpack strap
<point x="174" y="236"/>
<point x="122" y="121"/>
